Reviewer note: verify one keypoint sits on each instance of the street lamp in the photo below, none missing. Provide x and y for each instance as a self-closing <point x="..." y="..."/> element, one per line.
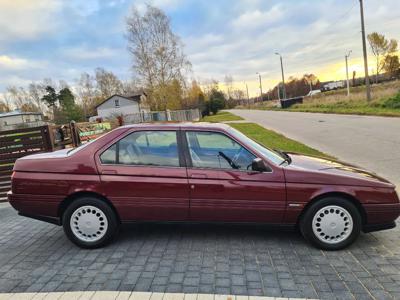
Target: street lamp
<point x="247" y="91"/>
<point x="347" y="72"/>
<point x="261" y="92"/>
<point x="283" y="76"/>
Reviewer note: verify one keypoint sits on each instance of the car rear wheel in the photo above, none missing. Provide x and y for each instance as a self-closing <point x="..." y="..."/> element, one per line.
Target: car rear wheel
<point x="331" y="223"/>
<point x="89" y="222"/>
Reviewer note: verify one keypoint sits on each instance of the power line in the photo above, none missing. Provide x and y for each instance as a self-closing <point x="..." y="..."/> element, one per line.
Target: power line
<point x="346" y="13"/>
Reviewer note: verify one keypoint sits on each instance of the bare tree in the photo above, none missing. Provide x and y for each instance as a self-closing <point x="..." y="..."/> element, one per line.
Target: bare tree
<point x="130" y="87"/>
<point x="210" y="85"/>
<point x="107" y="83"/>
<point x="18" y="95"/>
<point x="238" y="94"/>
<point x="86" y="89"/>
<point x="35" y="93"/>
<point x="229" y="85"/>
<point x="62" y="84"/>
<point x="158" y="57"/>
<point x="6" y="102"/>
<point x="3" y="107"/>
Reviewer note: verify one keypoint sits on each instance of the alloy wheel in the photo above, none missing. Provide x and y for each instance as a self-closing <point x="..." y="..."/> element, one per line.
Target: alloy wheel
<point x="332" y="224"/>
<point x="89" y="223"/>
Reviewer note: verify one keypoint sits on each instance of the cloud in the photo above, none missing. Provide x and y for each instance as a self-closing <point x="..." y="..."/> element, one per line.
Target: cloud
<point x="258" y="18"/>
<point x="8" y="63"/>
<point x="62" y="38"/>
<point x="311" y="40"/>
<point x="163" y="4"/>
<point x="84" y="52"/>
<point x="27" y="19"/>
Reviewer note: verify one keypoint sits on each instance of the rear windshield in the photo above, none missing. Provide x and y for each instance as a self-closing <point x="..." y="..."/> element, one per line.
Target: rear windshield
<point x="74" y="150"/>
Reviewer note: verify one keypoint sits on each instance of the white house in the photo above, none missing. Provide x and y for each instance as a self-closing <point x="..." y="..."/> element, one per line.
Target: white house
<point x="118" y="105"/>
<point x="17" y="117"/>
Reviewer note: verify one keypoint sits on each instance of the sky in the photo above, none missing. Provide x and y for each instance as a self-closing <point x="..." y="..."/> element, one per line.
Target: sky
<point x="60" y="39"/>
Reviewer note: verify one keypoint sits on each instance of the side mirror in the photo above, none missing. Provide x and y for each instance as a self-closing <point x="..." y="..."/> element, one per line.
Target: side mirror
<point x="258" y="165"/>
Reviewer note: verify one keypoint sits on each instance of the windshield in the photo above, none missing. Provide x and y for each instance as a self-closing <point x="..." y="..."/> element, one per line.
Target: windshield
<point x="269" y="154"/>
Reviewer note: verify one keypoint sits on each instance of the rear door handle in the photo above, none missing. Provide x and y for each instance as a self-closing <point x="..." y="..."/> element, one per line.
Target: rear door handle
<point x="198" y="176"/>
<point x="109" y="172"/>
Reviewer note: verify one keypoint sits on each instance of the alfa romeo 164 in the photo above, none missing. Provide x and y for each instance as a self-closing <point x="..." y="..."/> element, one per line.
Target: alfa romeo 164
<point x="198" y="173"/>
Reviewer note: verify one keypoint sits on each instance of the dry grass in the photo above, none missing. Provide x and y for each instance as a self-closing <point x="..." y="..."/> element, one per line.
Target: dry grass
<point x="338" y="102"/>
<point x="379" y="92"/>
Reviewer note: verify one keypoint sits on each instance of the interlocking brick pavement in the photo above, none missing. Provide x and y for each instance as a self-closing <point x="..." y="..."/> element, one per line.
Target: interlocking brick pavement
<point x="37" y="257"/>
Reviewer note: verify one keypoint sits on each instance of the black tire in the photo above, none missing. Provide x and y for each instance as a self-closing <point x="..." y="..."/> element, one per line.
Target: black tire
<point x="322" y="241"/>
<point x="103" y="210"/>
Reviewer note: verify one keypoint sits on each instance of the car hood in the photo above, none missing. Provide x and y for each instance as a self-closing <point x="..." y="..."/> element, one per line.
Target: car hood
<point x="332" y="172"/>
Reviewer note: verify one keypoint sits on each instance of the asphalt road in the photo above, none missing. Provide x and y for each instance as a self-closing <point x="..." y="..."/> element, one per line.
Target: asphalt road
<point x="370" y="142"/>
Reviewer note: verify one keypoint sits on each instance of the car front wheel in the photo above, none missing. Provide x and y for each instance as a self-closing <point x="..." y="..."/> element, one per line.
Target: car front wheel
<point x="90" y="223"/>
<point x="331" y="223"/>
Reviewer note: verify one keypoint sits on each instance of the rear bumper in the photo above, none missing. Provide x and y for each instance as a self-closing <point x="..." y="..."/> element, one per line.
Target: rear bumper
<point x="52" y="220"/>
<point x="39" y="207"/>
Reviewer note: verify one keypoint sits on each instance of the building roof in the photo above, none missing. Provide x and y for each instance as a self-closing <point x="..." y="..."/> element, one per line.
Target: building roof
<point x="133" y="97"/>
<point x="18" y="113"/>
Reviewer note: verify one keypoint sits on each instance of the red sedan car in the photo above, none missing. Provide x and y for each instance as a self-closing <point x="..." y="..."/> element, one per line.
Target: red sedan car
<point x="198" y="173"/>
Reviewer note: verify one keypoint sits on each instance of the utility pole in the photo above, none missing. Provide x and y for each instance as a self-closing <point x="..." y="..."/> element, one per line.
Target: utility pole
<point x="261" y="92"/>
<point x="347" y="73"/>
<point x="368" y="87"/>
<point x="248" y="98"/>
<point x="283" y="76"/>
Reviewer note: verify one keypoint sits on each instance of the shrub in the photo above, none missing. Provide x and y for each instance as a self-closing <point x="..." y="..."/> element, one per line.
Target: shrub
<point x="393" y="102"/>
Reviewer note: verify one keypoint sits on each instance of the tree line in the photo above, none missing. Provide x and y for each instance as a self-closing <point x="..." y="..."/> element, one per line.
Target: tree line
<point x="162" y="70"/>
<point x="62" y="102"/>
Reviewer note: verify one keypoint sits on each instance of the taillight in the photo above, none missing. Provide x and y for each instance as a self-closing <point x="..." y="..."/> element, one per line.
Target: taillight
<point x="12" y="175"/>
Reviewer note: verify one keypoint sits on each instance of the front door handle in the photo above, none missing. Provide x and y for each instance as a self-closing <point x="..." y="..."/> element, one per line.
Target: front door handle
<point x="198" y="176"/>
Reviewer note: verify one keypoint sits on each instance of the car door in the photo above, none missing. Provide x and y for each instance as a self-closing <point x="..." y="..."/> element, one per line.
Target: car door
<point x="144" y="176"/>
<point x="222" y="185"/>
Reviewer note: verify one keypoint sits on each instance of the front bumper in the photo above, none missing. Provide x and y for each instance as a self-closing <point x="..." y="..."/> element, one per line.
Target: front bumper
<point x="377" y="227"/>
<point x="381" y="213"/>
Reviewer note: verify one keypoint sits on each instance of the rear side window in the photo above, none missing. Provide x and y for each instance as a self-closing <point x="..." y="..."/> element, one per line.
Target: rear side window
<point x="148" y="148"/>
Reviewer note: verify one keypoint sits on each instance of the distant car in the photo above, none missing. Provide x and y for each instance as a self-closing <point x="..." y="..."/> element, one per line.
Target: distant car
<point x="198" y="173"/>
<point x="313" y="93"/>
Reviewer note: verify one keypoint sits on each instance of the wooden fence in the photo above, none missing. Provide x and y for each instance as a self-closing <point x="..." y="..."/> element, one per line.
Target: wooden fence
<point x="21" y="142"/>
<point x="18" y="143"/>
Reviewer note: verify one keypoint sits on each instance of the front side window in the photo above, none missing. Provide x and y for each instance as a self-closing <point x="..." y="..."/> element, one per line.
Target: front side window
<point x="270" y="154"/>
<point x="218" y="151"/>
<point x="149" y="148"/>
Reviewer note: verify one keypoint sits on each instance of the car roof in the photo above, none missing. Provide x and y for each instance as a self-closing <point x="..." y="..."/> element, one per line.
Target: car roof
<point x="180" y="125"/>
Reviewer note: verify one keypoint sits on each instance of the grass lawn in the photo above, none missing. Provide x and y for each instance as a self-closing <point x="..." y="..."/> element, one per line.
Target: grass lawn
<point x="221" y="116"/>
<point x="274" y="140"/>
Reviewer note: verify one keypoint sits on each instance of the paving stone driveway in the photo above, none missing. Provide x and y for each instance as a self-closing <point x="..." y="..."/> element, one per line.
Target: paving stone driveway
<point x="37" y="257"/>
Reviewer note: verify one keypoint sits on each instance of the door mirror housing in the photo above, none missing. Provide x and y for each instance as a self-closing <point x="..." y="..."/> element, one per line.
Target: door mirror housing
<point x="258" y="165"/>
